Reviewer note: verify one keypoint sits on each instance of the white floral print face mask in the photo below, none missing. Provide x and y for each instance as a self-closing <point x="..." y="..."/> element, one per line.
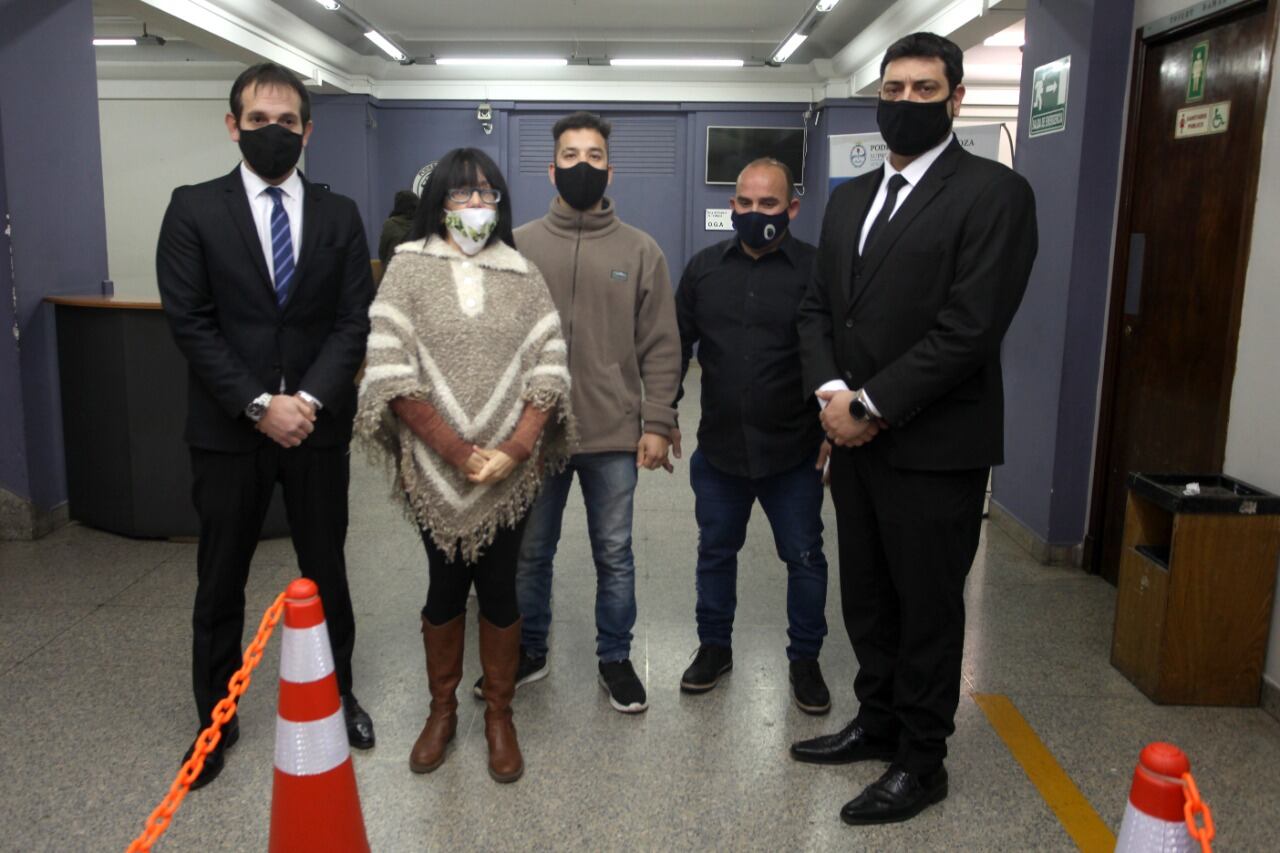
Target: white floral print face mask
<point x="471" y="227"/>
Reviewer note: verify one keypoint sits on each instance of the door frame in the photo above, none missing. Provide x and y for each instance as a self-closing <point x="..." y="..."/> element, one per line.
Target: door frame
<point x="1120" y="261"/>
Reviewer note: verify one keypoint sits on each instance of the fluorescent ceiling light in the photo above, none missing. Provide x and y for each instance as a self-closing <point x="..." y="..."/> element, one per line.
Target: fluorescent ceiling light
<point x="826" y="5"/>
<point x="531" y="61"/>
<point x="331" y="5"/>
<point x="1006" y="39"/>
<point x="789" y="47"/>
<point x="679" y="63"/>
<point x="385" y="44"/>
<point x="115" y="42"/>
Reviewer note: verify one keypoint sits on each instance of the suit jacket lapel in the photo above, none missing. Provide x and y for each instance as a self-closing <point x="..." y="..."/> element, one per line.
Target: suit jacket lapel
<point x="923" y="193"/>
<point x="238" y="205"/>
<point x="310" y="233"/>
<point x="858" y="206"/>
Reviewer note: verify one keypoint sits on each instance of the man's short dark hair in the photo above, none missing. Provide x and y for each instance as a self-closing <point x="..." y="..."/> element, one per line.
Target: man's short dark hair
<point x="405" y="204"/>
<point x="780" y="166"/>
<point x="268" y="74"/>
<point x="928" y="46"/>
<point x="581" y="120"/>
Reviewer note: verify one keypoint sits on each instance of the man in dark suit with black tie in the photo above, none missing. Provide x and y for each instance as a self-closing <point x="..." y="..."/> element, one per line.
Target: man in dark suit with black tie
<point x="921" y="266"/>
<point x="266" y="282"/>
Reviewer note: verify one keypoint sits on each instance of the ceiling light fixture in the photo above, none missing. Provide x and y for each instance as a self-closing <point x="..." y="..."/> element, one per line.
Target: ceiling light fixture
<point x="331" y="5"/>
<point x="385" y="45"/>
<point x="801" y="31"/>
<point x="526" y="61"/>
<point x="789" y="47"/>
<point x="128" y="41"/>
<point x="678" y="63"/>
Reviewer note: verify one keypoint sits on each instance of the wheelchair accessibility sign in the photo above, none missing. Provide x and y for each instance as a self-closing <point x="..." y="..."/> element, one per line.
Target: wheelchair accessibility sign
<point x="1202" y="120"/>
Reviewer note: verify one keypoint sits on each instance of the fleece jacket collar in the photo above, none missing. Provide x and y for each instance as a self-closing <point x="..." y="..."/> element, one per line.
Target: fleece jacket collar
<point x="564" y="220"/>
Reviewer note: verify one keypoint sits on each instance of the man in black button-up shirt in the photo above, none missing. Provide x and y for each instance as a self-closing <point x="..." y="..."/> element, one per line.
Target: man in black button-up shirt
<point x="758" y="438"/>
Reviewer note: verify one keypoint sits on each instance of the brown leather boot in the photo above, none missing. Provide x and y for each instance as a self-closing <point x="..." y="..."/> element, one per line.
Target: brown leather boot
<point x="499" y="657"/>
<point x="443" y="644"/>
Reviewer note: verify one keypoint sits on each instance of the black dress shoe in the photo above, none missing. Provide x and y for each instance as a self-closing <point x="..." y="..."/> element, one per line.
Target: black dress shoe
<point x="214" y="761"/>
<point x="896" y="796"/>
<point x="359" y="723"/>
<point x="852" y="743"/>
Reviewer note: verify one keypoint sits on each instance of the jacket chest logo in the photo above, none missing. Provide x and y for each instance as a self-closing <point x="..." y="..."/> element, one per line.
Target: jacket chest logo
<point x="618" y="275"/>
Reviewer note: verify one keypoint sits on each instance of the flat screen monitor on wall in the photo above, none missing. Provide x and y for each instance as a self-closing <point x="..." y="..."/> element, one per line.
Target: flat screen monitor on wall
<point x="729" y="149"/>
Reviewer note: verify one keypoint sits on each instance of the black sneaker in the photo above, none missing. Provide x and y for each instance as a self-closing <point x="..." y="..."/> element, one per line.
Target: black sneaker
<point x="808" y="689"/>
<point x="626" y="693"/>
<point x="529" y="669"/>
<point x="708" y="665"/>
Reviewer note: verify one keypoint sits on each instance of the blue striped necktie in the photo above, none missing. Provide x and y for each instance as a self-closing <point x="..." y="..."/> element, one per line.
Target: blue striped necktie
<point x="281" y="245"/>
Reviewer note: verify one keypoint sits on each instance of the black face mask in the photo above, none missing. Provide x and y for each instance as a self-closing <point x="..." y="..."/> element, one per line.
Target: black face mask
<point x="271" y="151"/>
<point x="757" y="230"/>
<point x="581" y="185"/>
<point x="910" y="127"/>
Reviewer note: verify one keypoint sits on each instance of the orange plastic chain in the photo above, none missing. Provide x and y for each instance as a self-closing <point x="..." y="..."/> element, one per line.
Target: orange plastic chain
<point x="1196" y="806"/>
<point x="159" y="819"/>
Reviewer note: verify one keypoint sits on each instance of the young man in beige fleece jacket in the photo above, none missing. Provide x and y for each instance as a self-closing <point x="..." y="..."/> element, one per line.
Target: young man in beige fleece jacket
<point x="610" y="284"/>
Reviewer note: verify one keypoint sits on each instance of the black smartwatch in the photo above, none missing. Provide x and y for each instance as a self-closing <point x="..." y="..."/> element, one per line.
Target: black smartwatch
<point x="857" y="409"/>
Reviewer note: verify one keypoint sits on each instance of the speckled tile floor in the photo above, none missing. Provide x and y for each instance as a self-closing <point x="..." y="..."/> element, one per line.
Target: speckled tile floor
<point x="94" y="639"/>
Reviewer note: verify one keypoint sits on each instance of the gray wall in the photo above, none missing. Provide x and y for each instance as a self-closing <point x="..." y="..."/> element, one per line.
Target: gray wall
<point x="1053" y="352"/>
<point x="53" y="189"/>
<point x="368" y="149"/>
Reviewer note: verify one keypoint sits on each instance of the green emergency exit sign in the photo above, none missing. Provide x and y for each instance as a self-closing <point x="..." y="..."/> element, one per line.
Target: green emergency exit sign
<point x="1197" y="71"/>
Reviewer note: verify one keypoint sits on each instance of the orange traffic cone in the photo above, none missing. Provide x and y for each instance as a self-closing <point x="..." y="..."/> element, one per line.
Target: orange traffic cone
<point x="314" y="803"/>
<point x="1156" y="819"/>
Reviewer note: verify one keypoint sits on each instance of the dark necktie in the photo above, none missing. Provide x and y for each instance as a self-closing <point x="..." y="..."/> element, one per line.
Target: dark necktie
<point x="281" y="245"/>
<point x="896" y="183"/>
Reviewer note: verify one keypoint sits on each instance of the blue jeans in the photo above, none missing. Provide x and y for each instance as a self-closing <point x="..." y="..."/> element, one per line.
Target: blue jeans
<point x="608" y="483"/>
<point x="792" y="501"/>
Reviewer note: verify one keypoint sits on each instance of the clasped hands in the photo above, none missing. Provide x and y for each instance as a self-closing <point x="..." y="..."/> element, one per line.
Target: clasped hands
<point x="288" y="421"/>
<point x="842" y="429"/>
<point x="486" y="465"/>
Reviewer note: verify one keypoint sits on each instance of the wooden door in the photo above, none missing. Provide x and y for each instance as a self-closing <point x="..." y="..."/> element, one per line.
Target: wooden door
<point x="1182" y="248"/>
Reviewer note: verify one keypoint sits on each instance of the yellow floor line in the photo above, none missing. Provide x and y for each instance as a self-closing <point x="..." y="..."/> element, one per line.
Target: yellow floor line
<point x="1077" y="816"/>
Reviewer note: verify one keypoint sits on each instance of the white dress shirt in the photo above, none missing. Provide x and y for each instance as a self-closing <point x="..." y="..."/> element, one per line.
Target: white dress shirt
<point x="261" y="204"/>
<point x="913" y="173"/>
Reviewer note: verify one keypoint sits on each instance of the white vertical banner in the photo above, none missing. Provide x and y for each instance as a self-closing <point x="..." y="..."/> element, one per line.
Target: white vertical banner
<point x="854" y="154"/>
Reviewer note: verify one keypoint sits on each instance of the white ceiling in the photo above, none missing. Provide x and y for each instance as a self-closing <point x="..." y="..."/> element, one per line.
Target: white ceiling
<point x="212" y="39"/>
<point x="724" y="29"/>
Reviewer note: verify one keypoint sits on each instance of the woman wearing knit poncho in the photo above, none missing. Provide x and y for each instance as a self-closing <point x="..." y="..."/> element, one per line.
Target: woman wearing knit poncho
<point x="466" y="392"/>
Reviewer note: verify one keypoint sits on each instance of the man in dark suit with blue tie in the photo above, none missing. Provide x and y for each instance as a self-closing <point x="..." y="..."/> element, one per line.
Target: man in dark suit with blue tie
<point x="266" y="282"/>
<point x="921" y="266"/>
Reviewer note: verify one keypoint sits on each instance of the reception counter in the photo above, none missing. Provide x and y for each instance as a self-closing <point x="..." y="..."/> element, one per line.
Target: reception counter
<point x="123" y="384"/>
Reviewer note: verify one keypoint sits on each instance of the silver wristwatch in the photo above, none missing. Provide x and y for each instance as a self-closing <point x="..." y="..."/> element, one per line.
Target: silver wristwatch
<point x="255" y="410"/>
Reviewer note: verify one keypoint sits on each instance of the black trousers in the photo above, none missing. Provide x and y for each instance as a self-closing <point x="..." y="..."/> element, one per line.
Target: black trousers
<point x="232" y="492"/>
<point x="494" y="575"/>
<point x="907" y="540"/>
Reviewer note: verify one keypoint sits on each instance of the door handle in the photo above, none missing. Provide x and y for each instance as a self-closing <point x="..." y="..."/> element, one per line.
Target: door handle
<point x="1133" y="281"/>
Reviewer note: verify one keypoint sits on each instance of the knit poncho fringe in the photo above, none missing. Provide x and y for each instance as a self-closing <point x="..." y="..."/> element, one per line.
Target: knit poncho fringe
<point x="479" y="339"/>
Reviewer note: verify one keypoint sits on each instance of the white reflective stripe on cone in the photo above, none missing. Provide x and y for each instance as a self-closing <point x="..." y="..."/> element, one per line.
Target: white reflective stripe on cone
<point x="305" y="654"/>
<point x="1142" y="833"/>
<point x="309" y="749"/>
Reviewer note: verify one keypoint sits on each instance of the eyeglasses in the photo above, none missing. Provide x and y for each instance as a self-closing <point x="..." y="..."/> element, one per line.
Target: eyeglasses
<point x="462" y="195"/>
